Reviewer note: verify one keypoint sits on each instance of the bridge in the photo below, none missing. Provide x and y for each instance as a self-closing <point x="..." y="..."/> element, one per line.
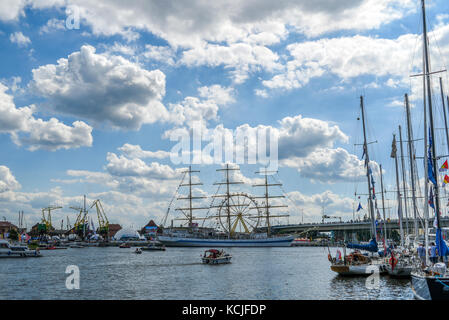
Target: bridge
<point x="350" y="226"/>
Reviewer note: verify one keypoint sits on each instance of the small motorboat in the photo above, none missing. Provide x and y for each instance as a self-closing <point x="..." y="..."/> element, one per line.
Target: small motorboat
<point x="9" y="251"/>
<point x="138" y="251"/>
<point x="125" y="245"/>
<point x="214" y="256"/>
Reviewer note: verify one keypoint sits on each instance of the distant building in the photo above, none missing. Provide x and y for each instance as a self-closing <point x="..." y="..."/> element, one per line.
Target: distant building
<point x="150" y="229"/>
<point x="5" y="228"/>
<point x="113" y="229"/>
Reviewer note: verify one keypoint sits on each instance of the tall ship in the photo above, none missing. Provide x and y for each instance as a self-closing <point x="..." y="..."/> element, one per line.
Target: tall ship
<point x="232" y="219"/>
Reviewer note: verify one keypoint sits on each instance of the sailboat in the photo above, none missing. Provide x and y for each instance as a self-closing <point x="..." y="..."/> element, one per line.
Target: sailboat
<point x="239" y="216"/>
<point x="432" y="282"/>
<point x="357" y="263"/>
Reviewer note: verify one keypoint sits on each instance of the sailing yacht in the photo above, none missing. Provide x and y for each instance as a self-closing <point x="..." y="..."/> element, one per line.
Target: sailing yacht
<point x="431" y="283"/>
<point x="357" y="263"/>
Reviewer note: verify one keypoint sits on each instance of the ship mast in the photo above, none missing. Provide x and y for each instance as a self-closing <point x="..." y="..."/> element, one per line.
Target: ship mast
<point x="365" y="147"/>
<point x="404" y="186"/>
<point x="429" y="104"/>
<point x="227" y="196"/>
<point x="383" y="205"/>
<point x="395" y="156"/>
<point x="267" y="206"/>
<point x="411" y="152"/>
<point x="190" y="197"/>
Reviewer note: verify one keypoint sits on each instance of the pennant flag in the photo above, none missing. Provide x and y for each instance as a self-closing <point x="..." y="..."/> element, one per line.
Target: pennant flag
<point x="360" y="207"/>
<point x="444" y="167"/>
<point x="446" y="179"/>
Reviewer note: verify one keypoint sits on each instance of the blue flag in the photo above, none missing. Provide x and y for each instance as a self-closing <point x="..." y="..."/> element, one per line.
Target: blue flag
<point x="431" y="199"/>
<point x="430" y="171"/>
<point x="441" y="244"/>
<point x="360" y="207"/>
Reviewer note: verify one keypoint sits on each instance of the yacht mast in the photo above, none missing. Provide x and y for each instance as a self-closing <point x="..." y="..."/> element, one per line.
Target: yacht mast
<point x="429" y="104"/>
<point x="370" y="194"/>
<point x="411" y="154"/>
<point x="395" y="156"/>
<point x="444" y="113"/>
<point x="404" y="181"/>
<point x="383" y="205"/>
<point x="426" y="163"/>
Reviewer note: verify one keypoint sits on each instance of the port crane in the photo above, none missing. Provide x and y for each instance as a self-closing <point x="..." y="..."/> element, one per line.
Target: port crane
<point x="45" y="225"/>
<point x="82" y="222"/>
<point x="103" y="222"/>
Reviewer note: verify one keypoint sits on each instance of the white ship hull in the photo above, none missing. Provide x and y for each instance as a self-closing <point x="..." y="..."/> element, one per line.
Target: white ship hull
<point x="358" y="270"/>
<point x="194" y="242"/>
<point x="400" y="271"/>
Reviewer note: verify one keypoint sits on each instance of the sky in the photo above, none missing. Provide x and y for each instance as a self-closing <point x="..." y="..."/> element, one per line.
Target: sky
<point x="91" y="93"/>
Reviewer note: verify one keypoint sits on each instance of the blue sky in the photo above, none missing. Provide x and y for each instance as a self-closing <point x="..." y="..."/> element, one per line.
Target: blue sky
<point x="128" y="76"/>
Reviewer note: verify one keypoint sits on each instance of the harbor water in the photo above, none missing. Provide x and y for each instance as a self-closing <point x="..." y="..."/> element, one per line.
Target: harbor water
<point x="255" y="273"/>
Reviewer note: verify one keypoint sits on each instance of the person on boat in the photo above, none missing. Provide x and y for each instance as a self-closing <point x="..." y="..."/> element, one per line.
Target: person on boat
<point x="433" y="253"/>
<point x="422" y="255"/>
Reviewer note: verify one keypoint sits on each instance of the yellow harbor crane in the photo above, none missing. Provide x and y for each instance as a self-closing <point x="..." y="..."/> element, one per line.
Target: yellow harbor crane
<point x="82" y="223"/>
<point x="103" y="223"/>
<point x="45" y="225"/>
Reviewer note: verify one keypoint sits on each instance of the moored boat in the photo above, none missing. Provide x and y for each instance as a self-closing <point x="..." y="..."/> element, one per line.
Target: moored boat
<point x="9" y="251"/>
<point x="357" y="264"/>
<point x="399" y="265"/>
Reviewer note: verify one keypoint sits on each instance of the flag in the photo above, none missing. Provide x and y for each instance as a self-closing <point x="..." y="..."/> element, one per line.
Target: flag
<point x="430" y="173"/>
<point x="441" y="245"/>
<point x="393" y="148"/>
<point x="444" y="167"/>
<point x="446" y="179"/>
<point x="431" y="199"/>
<point x="360" y="207"/>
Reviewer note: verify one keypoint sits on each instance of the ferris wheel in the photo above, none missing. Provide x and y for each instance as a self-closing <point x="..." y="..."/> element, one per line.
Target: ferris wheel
<point x="244" y="215"/>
